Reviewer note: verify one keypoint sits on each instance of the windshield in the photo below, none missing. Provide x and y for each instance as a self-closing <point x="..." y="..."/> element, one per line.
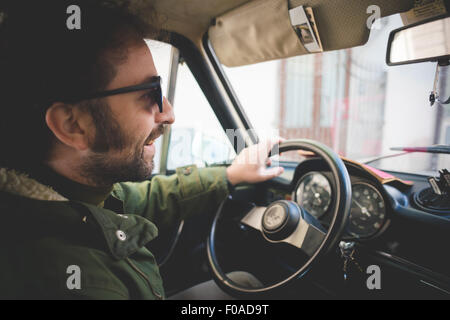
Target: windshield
<point x="351" y="101"/>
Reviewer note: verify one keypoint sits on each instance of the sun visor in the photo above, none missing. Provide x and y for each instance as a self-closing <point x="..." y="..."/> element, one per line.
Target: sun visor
<point x="257" y="31"/>
<point x="261" y="30"/>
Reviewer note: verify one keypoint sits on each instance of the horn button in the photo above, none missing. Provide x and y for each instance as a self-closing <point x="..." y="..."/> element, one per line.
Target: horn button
<point x="280" y="220"/>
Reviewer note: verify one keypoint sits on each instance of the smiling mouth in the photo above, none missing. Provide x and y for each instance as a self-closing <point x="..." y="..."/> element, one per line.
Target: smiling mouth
<point x="152" y="141"/>
<point x="159" y="132"/>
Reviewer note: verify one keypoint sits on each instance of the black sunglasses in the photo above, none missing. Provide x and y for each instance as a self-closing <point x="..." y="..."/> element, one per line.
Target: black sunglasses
<point x="154" y="85"/>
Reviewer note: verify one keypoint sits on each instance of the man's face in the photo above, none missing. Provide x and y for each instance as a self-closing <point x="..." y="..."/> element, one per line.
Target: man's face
<point x="122" y="146"/>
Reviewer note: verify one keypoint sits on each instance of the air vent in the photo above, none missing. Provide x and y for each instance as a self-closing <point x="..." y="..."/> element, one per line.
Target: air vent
<point x="431" y="202"/>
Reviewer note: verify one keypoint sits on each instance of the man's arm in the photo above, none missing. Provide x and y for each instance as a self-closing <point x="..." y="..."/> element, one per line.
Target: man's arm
<point x="193" y="190"/>
<point x="166" y="199"/>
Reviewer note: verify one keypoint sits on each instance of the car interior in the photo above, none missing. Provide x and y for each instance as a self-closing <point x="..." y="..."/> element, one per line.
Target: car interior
<point x="359" y="91"/>
<point x="361" y="228"/>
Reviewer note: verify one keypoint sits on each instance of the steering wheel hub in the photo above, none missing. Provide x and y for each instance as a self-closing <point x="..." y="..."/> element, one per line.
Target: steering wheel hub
<point x="280" y="219"/>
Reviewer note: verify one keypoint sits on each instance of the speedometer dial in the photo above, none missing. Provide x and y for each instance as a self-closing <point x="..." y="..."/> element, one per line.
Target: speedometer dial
<point x="368" y="211"/>
<point x="314" y="193"/>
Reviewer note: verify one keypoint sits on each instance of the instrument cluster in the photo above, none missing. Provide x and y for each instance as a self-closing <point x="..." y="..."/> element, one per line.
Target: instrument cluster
<point x="314" y="193"/>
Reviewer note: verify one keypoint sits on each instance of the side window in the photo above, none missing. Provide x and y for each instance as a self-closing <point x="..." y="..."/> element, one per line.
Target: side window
<point x="161" y="53"/>
<point x="197" y="136"/>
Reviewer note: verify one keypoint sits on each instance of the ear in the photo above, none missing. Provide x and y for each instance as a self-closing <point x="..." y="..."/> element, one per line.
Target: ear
<point x="69" y="125"/>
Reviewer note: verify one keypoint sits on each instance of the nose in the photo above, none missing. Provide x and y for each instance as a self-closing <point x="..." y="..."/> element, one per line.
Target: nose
<point x="166" y="116"/>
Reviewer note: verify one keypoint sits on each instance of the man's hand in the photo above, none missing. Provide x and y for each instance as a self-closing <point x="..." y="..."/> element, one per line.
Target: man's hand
<point x="251" y="164"/>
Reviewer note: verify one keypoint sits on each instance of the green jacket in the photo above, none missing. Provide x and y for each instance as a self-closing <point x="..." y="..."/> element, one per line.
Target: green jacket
<point x="52" y="248"/>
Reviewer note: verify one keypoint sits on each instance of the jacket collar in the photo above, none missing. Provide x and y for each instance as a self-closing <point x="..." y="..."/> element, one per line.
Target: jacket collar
<point x="68" y="188"/>
<point x="21" y="184"/>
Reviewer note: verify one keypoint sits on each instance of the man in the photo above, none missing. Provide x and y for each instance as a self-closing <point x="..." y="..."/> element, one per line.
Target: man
<point x="81" y="110"/>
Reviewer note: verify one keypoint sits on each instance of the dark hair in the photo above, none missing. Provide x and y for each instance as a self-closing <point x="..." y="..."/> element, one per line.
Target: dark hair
<point x="42" y="59"/>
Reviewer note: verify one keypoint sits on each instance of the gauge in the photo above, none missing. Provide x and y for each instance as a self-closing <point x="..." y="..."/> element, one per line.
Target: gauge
<point x="368" y="211"/>
<point x="314" y="193"/>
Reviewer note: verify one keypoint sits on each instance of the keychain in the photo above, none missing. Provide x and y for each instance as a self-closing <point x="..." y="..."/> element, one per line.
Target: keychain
<point x="434" y="95"/>
<point x="347" y="253"/>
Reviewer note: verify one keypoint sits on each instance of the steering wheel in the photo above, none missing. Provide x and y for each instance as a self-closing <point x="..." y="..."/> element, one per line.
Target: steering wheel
<point x="285" y="221"/>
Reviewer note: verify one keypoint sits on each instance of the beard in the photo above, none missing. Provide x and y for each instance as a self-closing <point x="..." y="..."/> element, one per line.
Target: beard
<point x="102" y="169"/>
<point x="112" y="158"/>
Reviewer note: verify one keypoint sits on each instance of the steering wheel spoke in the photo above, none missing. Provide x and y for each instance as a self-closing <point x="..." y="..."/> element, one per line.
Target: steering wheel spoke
<point x="306" y="236"/>
<point x="254" y="217"/>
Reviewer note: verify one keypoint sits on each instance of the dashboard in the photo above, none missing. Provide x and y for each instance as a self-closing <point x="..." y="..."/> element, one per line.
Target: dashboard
<point x="388" y="225"/>
<point x="385" y="224"/>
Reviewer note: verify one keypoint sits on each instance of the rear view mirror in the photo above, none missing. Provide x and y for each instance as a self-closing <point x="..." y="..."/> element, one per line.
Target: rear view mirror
<point x="420" y="42"/>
